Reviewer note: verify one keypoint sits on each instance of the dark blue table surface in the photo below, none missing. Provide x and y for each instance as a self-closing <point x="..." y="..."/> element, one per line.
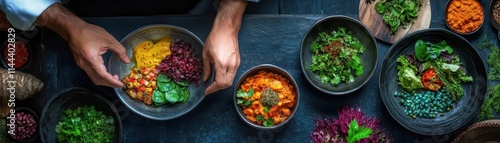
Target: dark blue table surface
<point x="264" y="39"/>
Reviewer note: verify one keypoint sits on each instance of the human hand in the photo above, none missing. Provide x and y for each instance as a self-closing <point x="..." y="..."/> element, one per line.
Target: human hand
<point x="88" y="44"/>
<point x="222" y="50"/>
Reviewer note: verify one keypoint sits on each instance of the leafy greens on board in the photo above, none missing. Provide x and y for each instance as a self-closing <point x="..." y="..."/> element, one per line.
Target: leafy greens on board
<point x="398" y="12"/>
<point x="336" y="56"/>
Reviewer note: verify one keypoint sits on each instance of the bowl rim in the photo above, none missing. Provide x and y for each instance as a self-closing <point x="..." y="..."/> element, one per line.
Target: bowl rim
<point x="129" y="106"/>
<point x="372" y="71"/>
<point x="453" y="30"/>
<point x="391" y="49"/>
<point x="37" y="120"/>
<point x="27" y="45"/>
<point x="99" y="97"/>
<point x="255" y="69"/>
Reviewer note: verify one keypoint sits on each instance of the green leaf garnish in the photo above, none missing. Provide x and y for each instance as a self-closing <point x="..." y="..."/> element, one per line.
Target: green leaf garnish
<point x="356" y="132"/>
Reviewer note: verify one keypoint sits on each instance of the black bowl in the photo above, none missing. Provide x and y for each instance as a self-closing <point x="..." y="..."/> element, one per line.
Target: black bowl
<point x="37" y="120"/>
<point x="255" y="70"/>
<point x="368" y="58"/>
<point x="74" y="98"/>
<point x="30" y="56"/>
<point x="493" y="22"/>
<point x="449" y="27"/>
<point x="464" y="111"/>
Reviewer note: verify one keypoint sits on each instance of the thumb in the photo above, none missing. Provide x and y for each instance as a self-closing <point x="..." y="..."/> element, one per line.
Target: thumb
<point x="207" y="69"/>
<point x="212" y="88"/>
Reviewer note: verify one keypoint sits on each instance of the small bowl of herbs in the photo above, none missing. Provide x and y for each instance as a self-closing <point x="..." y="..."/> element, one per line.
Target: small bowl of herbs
<point x="338" y="55"/>
<point x="80" y="115"/>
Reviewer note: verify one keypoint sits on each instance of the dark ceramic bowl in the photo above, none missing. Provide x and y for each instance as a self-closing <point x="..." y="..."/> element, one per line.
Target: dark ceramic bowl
<point x="37" y="120"/>
<point x="30" y="56"/>
<point x="269" y="68"/>
<point x="368" y="58"/>
<point x="73" y="98"/>
<point x="464" y="111"/>
<point x="154" y="32"/>
<point x="493" y="22"/>
<point x="449" y="27"/>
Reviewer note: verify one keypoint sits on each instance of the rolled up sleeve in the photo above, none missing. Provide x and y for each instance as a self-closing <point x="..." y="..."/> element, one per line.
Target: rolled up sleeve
<point x="23" y="13"/>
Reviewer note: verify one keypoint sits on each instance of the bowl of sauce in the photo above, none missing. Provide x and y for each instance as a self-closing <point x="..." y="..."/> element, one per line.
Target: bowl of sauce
<point x="16" y="54"/>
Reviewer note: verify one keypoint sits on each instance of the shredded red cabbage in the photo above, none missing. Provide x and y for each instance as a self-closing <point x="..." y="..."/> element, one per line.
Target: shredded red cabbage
<point x="335" y="130"/>
<point x="182" y="64"/>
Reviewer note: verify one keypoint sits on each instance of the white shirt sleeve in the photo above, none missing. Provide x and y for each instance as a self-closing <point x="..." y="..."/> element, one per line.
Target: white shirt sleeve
<point x="23" y="13"/>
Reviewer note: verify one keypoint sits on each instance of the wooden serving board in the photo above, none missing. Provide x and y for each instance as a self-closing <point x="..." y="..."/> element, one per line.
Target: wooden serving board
<point x="382" y="31"/>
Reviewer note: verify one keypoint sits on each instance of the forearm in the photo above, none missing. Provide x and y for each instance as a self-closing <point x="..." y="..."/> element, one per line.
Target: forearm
<point x="229" y="15"/>
<point x="60" y="20"/>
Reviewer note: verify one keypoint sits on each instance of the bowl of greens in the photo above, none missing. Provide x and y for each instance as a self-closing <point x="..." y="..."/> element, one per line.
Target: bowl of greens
<point x="80" y="115"/>
<point x="433" y="82"/>
<point x="338" y="55"/>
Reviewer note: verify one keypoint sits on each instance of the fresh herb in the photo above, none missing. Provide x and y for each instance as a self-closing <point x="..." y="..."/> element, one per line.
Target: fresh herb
<point x="342" y="129"/>
<point x="266" y="109"/>
<point x="407" y="75"/>
<point x="425" y="51"/>
<point x="398" y="12"/>
<point x="85" y="124"/>
<point x="170" y="91"/>
<point x="493" y="58"/>
<point x="491" y="103"/>
<point x="452" y="78"/>
<point x="336" y="57"/>
<point x="248" y="103"/>
<point x="269" y="122"/>
<point x="259" y="118"/>
<point x="269" y="97"/>
<point x="356" y="132"/>
<point x="243" y="96"/>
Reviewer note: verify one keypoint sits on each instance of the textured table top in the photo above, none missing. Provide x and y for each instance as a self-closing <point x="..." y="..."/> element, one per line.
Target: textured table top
<point x="264" y="39"/>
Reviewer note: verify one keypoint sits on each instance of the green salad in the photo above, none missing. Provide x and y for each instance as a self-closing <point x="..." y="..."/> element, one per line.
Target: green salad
<point x="336" y="57"/>
<point x="85" y="125"/>
<point x="432" y="79"/>
<point x="398" y="12"/>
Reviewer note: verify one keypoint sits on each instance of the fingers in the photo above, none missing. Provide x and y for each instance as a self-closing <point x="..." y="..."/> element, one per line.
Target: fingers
<point x="104" y="78"/>
<point x="206" y="65"/>
<point x="119" y="50"/>
<point x="220" y="81"/>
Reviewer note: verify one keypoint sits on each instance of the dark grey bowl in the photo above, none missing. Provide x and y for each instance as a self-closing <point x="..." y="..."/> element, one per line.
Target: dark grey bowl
<point x="253" y="71"/>
<point x="493" y="22"/>
<point x="37" y="120"/>
<point x="449" y="27"/>
<point x="464" y="111"/>
<point x="368" y="58"/>
<point x="30" y="52"/>
<point x="73" y="98"/>
<point x="154" y="32"/>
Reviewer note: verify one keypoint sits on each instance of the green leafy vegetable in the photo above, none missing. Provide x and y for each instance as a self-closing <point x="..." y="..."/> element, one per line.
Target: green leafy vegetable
<point x="356" y="133"/>
<point x="266" y="109"/>
<point x="172" y="96"/>
<point x="398" y="12"/>
<point x="425" y="51"/>
<point x="162" y="78"/>
<point x="336" y="57"/>
<point x="269" y="122"/>
<point x="183" y="83"/>
<point x="407" y="76"/>
<point x="491" y="103"/>
<point x="493" y="58"/>
<point x="245" y="95"/>
<point x="259" y="118"/>
<point x="85" y="124"/>
<point x="452" y="77"/>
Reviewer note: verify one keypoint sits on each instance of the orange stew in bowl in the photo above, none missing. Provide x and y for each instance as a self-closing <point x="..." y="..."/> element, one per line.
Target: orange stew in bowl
<point x="19" y="56"/>
<point x="266" y="98"/>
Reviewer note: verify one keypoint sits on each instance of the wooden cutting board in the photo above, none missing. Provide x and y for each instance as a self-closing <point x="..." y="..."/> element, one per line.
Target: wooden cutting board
<point x="382" y="31"/>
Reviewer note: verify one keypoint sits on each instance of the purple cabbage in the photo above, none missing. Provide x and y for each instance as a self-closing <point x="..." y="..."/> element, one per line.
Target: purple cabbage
<point x="335" y="130"/>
